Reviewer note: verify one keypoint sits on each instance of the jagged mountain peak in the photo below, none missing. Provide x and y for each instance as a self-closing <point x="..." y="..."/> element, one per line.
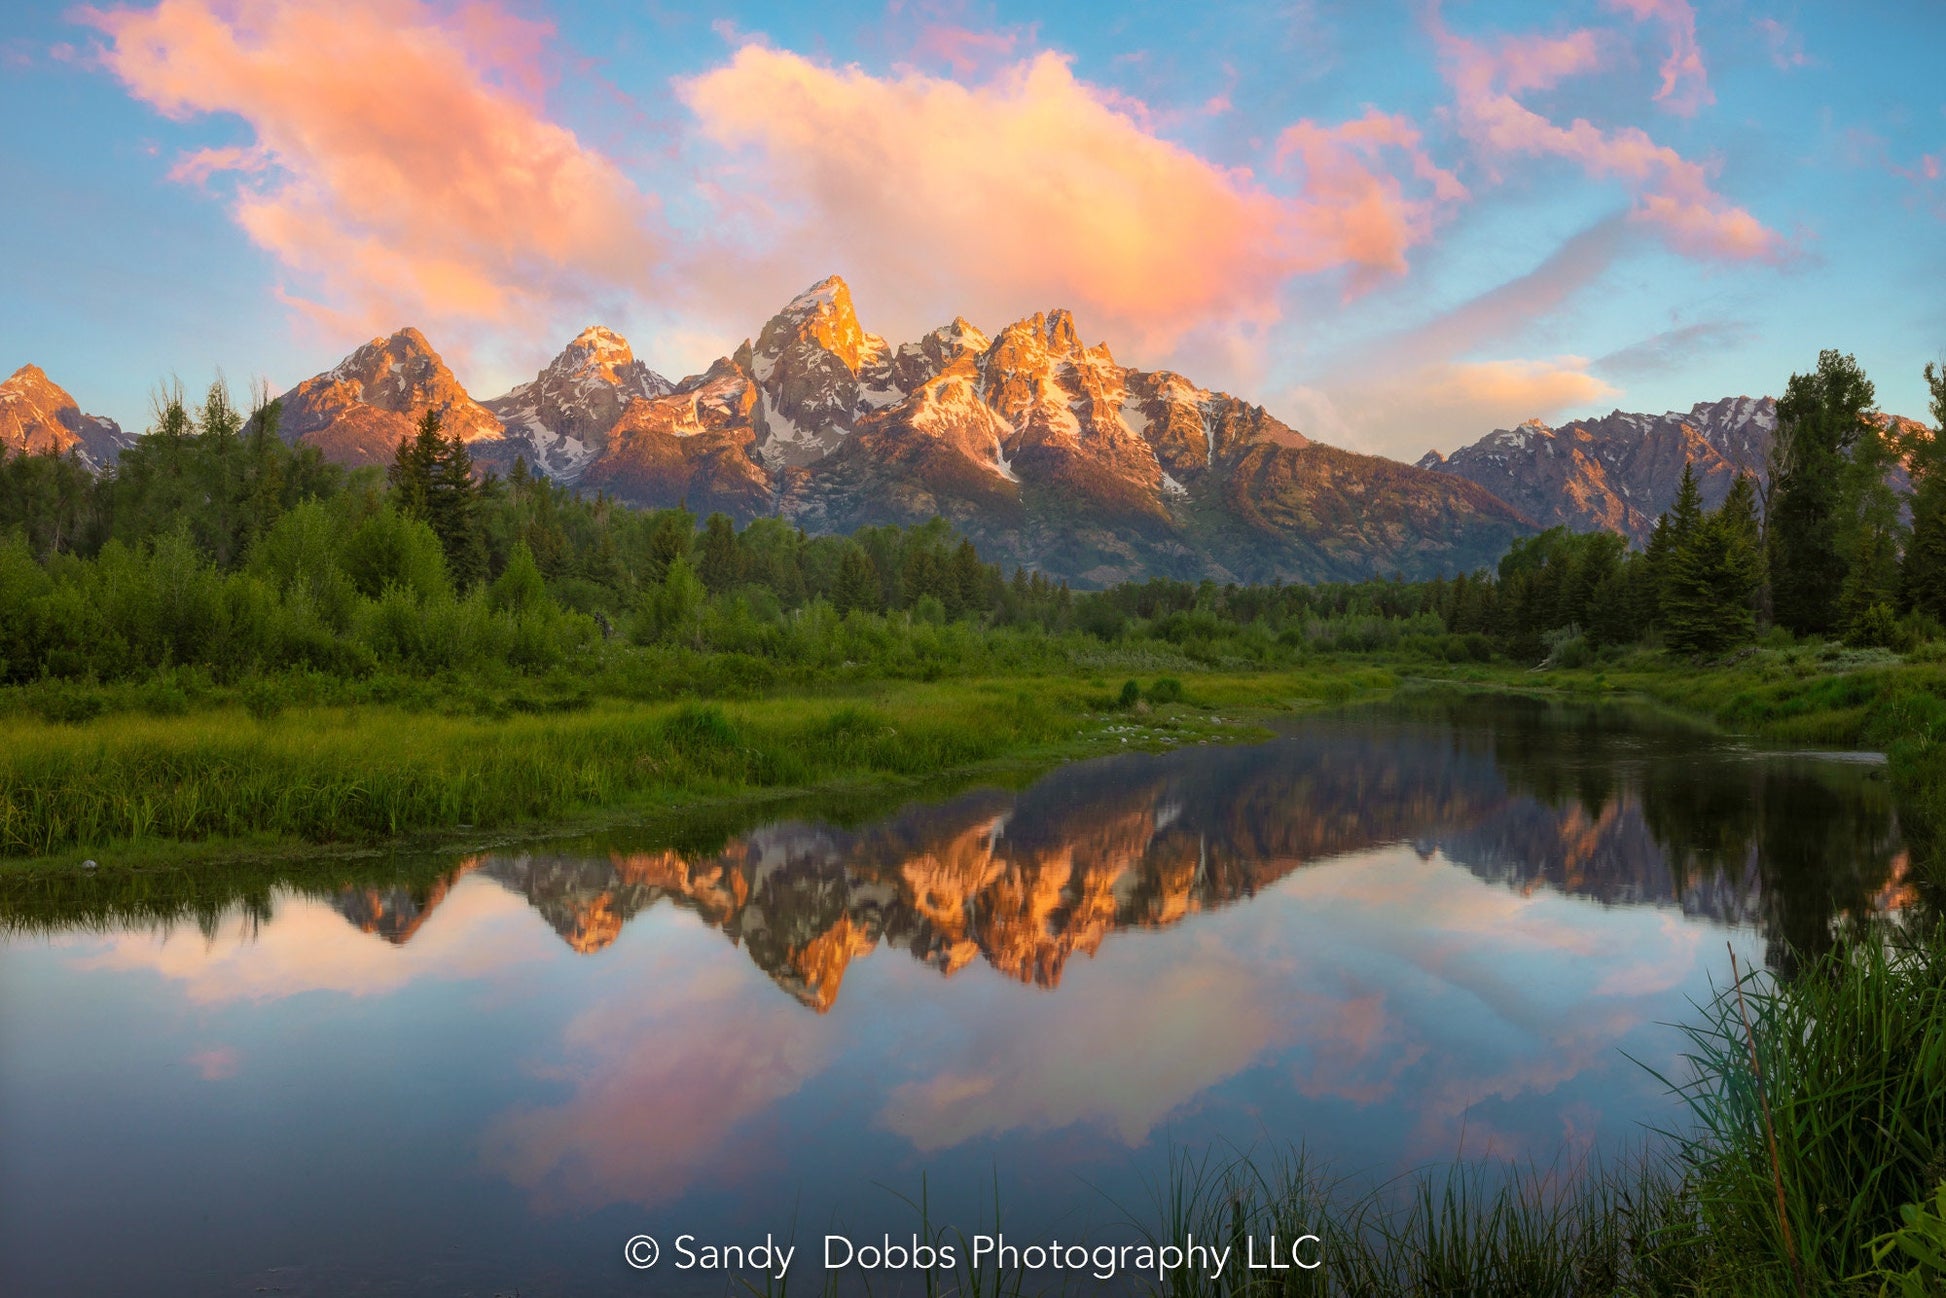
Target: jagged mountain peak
<point x="559" y="421"/>
<point x="830" y="294"/>
<point x="599" y="354"/>
<point x="38" y="416"/>
<point x="405" y="349"/>
<point x="960" y="333"/>
<point x="358" y="411"/>
<point x="821" y="316"/>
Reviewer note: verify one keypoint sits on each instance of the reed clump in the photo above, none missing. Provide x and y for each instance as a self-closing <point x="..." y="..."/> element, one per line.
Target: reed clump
<point x="1814" y="1167"/>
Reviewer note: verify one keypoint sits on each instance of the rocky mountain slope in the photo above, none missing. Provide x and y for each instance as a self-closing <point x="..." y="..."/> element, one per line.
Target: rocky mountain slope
<point x="1045" y="450"/>
<point x="1620" y="471"/>
<point x="560" y="421"/>
<point x="358" y="412"/>
<point x="37" y="416"/>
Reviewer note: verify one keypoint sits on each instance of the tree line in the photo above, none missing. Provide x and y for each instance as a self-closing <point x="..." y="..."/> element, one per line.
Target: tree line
<point x="215" y="546"/>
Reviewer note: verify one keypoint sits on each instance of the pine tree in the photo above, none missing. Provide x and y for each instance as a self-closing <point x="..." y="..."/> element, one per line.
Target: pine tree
<point x="264" y="457"/>
<point x="1922" y="577"/>
<point x="672" y="610"/>
<point x="1820" y="422"/>
<point x="412" y="468"/>
<point x="718" y="563"/>
<point x="454" y="512"/>
<point x="1711" y="578"/>
<point x="1871" y="586"/>
<point x="669" y="540"/>
<point x="857" y="586"/>
<point x="968" y="581"/>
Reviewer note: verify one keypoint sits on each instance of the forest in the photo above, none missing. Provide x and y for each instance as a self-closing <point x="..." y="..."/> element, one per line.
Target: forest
<point x="216" y="556"/>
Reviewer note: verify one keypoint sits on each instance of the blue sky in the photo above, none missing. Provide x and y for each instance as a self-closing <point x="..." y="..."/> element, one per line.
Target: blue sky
<point x="1397" y="226"/>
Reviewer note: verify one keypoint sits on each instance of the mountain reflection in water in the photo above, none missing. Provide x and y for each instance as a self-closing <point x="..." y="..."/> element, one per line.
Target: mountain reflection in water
<point x="1522" y="794"/>
<point x="1394" y="936"/>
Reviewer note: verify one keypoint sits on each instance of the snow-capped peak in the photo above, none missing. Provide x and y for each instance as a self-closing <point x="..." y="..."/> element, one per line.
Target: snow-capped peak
<point x="827" y="295"/>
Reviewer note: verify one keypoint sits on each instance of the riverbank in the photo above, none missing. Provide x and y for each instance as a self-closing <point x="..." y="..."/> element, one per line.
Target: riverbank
<point x="133" y="790"/>
<point x="322" y="774"/>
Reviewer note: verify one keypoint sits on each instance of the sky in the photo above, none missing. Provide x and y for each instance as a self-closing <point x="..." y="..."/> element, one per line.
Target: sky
<point x="1396" y="226"/>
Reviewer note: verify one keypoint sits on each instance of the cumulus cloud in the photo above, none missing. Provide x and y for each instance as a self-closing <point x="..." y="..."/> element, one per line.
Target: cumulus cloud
<point x="401" y="166"/>
<point x="1673" y="194"/>
<point x="1035" y="188"/>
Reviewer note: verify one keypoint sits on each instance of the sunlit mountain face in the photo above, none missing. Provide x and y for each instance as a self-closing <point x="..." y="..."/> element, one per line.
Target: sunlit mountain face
<point x="1025" y="883"/>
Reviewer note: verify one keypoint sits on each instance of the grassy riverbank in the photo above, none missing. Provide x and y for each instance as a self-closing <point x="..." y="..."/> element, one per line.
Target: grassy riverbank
<point x="132" y="787"/>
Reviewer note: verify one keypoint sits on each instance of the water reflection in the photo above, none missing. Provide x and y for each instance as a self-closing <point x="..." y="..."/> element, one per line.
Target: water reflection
<point x="1521" y="794"/>
<point x="1393" y="935"/>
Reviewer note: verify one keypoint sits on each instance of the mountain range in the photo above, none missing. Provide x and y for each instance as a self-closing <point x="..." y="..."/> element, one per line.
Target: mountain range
<point x="1043" y="449"/>
<point x="1617" y="473"/>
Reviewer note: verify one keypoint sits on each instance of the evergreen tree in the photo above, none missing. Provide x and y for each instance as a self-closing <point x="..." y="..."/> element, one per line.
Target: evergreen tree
<point x="412" y="468"/>
<point x="718" y="562"/>
<point x="672" y="611"/>
<point x="669" y="540"/>
<point x="519" y="588"/>
<point x="454" y="512"/>
<point x="265" y="479"/>
<point x="1871" y="587"/>
<point x="1922" y="577"/>
<point x="1820" y="422"/>
<point x="857" y="585"/>
<point x="1710" y="582"/>
<point x="968" y="581"/>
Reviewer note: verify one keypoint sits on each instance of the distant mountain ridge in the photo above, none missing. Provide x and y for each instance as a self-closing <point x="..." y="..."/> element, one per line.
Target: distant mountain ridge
<point x="1043" y="449"/>
<point x="1620" y="471"/>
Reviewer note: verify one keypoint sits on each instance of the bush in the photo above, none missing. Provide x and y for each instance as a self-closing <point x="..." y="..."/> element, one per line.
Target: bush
<point x="265" y="699"/>
<point x="1131" y="695"/>
<point x="68" y="702"/>
<point x="1167" y="689"/>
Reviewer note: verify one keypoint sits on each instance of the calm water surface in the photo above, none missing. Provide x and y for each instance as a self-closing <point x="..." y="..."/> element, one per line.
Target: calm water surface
<point x="1393" y="935"/>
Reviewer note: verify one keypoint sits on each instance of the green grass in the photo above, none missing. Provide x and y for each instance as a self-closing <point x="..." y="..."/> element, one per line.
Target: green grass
<point x="1820" y="1109"/>
<point x="112" y="784"/>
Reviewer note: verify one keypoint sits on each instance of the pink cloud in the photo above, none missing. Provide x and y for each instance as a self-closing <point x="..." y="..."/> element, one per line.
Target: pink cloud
<point x="1530" y="386"/>
<point x="1786" y="46"/>
<point x="1355" y="211"/>
<point x="1685" y="82"/>
<point x="963" y="50"/>
<point x="1035" y="188"/>
<point x="1673" y="194"/>
<point x="1927" y="168"/>
<point x="402" y="166"/>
